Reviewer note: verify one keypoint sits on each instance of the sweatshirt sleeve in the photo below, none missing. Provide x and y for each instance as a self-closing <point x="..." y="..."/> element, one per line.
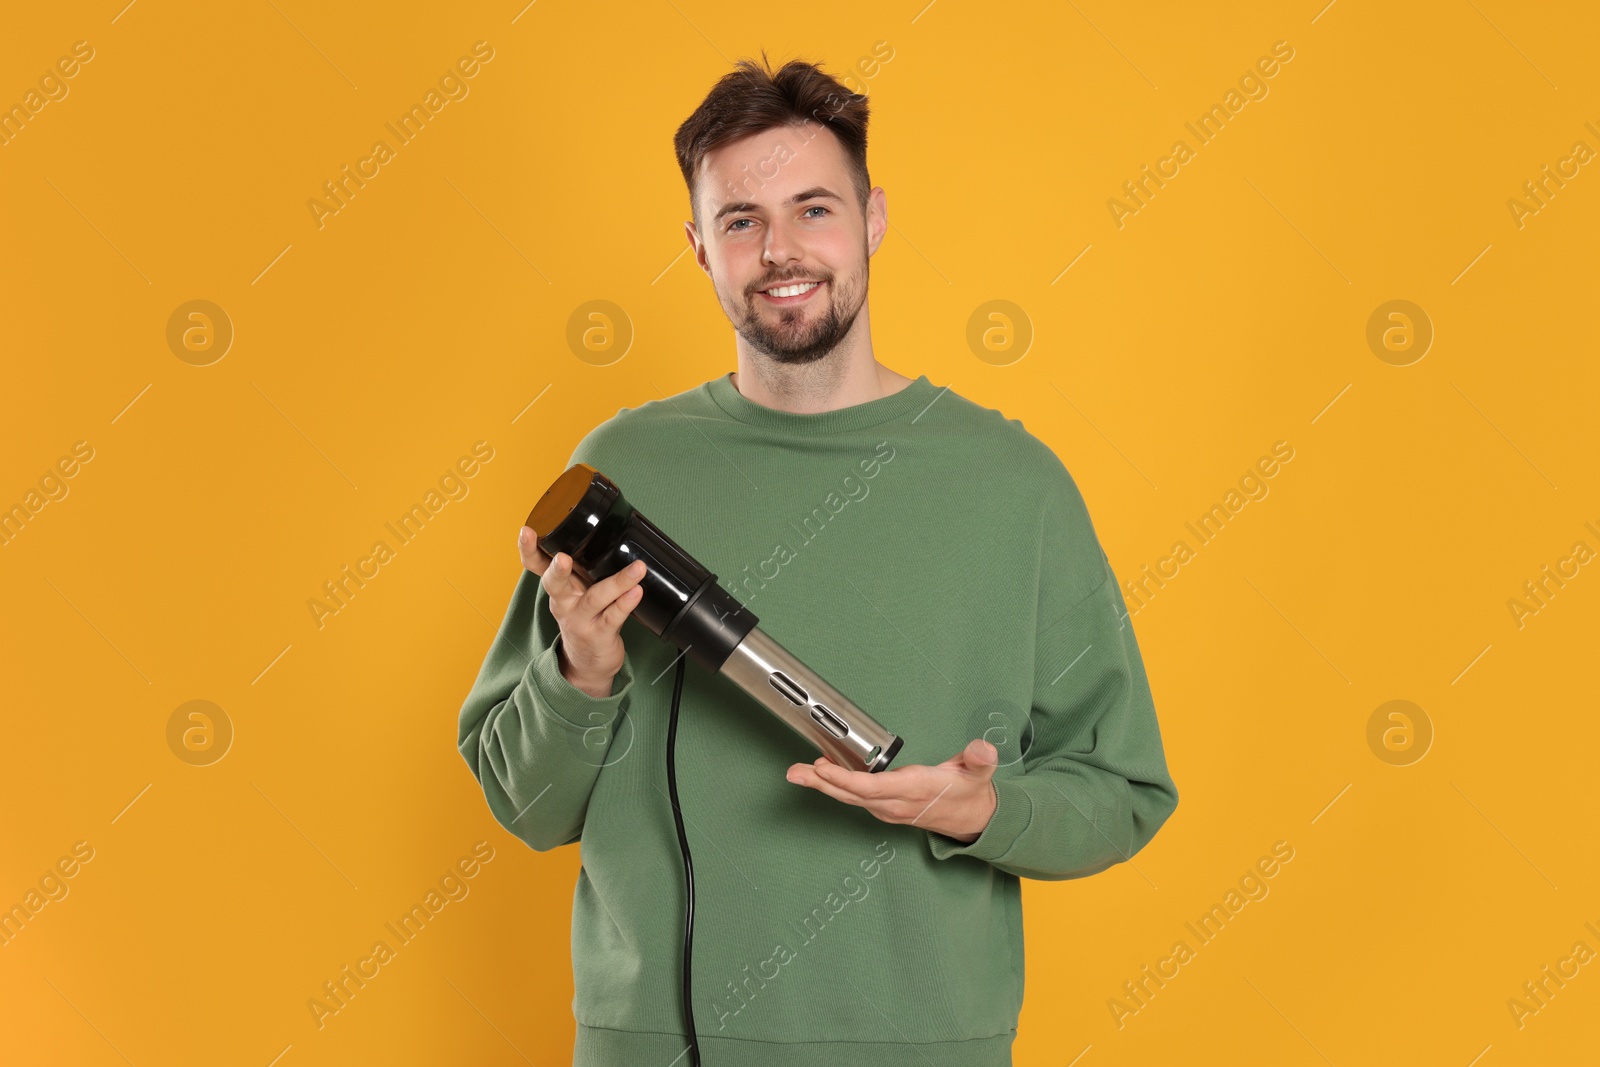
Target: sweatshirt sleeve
<point x="534" y="741"/>
<point x="1092" y="787"/>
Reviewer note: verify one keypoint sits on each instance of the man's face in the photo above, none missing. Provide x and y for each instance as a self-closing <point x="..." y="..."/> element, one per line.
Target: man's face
<point x="779" y="207"/>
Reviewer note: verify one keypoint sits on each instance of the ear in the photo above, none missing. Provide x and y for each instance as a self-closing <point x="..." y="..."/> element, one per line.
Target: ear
<point x="877" y="218"/>
<point x="697" y="246"/>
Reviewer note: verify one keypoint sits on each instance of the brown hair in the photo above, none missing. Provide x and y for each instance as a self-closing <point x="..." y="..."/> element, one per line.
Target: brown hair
<point x="751" y="98"/>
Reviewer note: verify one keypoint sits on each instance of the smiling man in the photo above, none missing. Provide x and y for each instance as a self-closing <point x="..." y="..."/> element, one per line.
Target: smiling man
<point x="964" y="602"/>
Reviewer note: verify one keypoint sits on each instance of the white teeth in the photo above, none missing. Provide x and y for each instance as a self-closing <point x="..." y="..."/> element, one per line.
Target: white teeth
<point x="793" y="290"/>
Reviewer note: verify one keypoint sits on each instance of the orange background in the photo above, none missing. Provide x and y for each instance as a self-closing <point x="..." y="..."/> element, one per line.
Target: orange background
<point x="1228" y="313"/>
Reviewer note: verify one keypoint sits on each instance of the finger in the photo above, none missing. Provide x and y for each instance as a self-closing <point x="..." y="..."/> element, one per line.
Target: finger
<point x="807" y="776"/>
<point x="533" y="557"/>
<point x="972" y="757"/>
<point x="611" y="619"/>
<point x="886" y="809"/>
<point x="981" y="757"/>
<point x="565" y="588"/>
<point x="860" y="783"/>
<point x="604" y="592"/>
<point x="906" y="783"/>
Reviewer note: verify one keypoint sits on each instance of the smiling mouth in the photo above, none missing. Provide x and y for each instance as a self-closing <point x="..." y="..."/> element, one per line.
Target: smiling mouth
<point x="798" y="292"/>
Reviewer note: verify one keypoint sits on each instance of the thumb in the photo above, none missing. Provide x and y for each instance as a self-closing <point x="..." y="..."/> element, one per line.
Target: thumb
<point x="980" y="757"/>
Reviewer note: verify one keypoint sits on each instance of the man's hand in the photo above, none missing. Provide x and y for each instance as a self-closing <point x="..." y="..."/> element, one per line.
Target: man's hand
<point x="590" y="617"/>
<point x="956" y="798"/>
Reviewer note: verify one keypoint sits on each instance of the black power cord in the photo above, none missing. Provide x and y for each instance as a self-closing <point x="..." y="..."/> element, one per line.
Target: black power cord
<point x="688" y="864"/>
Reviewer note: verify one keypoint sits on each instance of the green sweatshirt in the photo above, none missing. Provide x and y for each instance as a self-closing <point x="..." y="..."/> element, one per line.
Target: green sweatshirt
<point x="936" y="563"/>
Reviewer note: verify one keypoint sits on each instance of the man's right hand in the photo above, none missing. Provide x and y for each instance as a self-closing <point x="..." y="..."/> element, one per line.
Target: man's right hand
<point x="590" y="617"/>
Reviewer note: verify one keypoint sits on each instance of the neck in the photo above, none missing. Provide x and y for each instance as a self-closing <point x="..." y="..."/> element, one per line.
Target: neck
<point x="846" y="376"/>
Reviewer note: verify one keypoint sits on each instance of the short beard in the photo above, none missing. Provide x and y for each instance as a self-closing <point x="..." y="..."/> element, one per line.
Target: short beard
<point x="822" y="337"/>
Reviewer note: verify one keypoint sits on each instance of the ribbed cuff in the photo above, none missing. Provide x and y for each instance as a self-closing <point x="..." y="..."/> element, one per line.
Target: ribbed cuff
<point x="571" y="705"/>
<point x="1013" y="811"/>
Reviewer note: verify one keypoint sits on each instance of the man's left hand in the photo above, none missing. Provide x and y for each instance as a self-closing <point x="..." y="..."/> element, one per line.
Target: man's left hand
<point x="955" y="798"/>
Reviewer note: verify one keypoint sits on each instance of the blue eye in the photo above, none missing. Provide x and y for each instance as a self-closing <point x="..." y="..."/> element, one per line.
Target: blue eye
<point x="734" y="227"/>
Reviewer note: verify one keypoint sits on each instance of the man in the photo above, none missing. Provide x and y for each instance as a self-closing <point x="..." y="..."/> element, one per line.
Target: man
<point x="929" y="557"/>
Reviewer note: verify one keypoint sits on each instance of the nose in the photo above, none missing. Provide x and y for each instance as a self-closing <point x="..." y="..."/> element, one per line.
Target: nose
<point x="782" y="245"/>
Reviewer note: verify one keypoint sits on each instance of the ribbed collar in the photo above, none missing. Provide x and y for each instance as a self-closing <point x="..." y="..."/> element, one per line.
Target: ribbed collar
<point x="912" y="398"/>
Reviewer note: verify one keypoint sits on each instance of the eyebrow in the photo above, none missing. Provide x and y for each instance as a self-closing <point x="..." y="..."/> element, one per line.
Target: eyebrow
<point x="818" y="193"/>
